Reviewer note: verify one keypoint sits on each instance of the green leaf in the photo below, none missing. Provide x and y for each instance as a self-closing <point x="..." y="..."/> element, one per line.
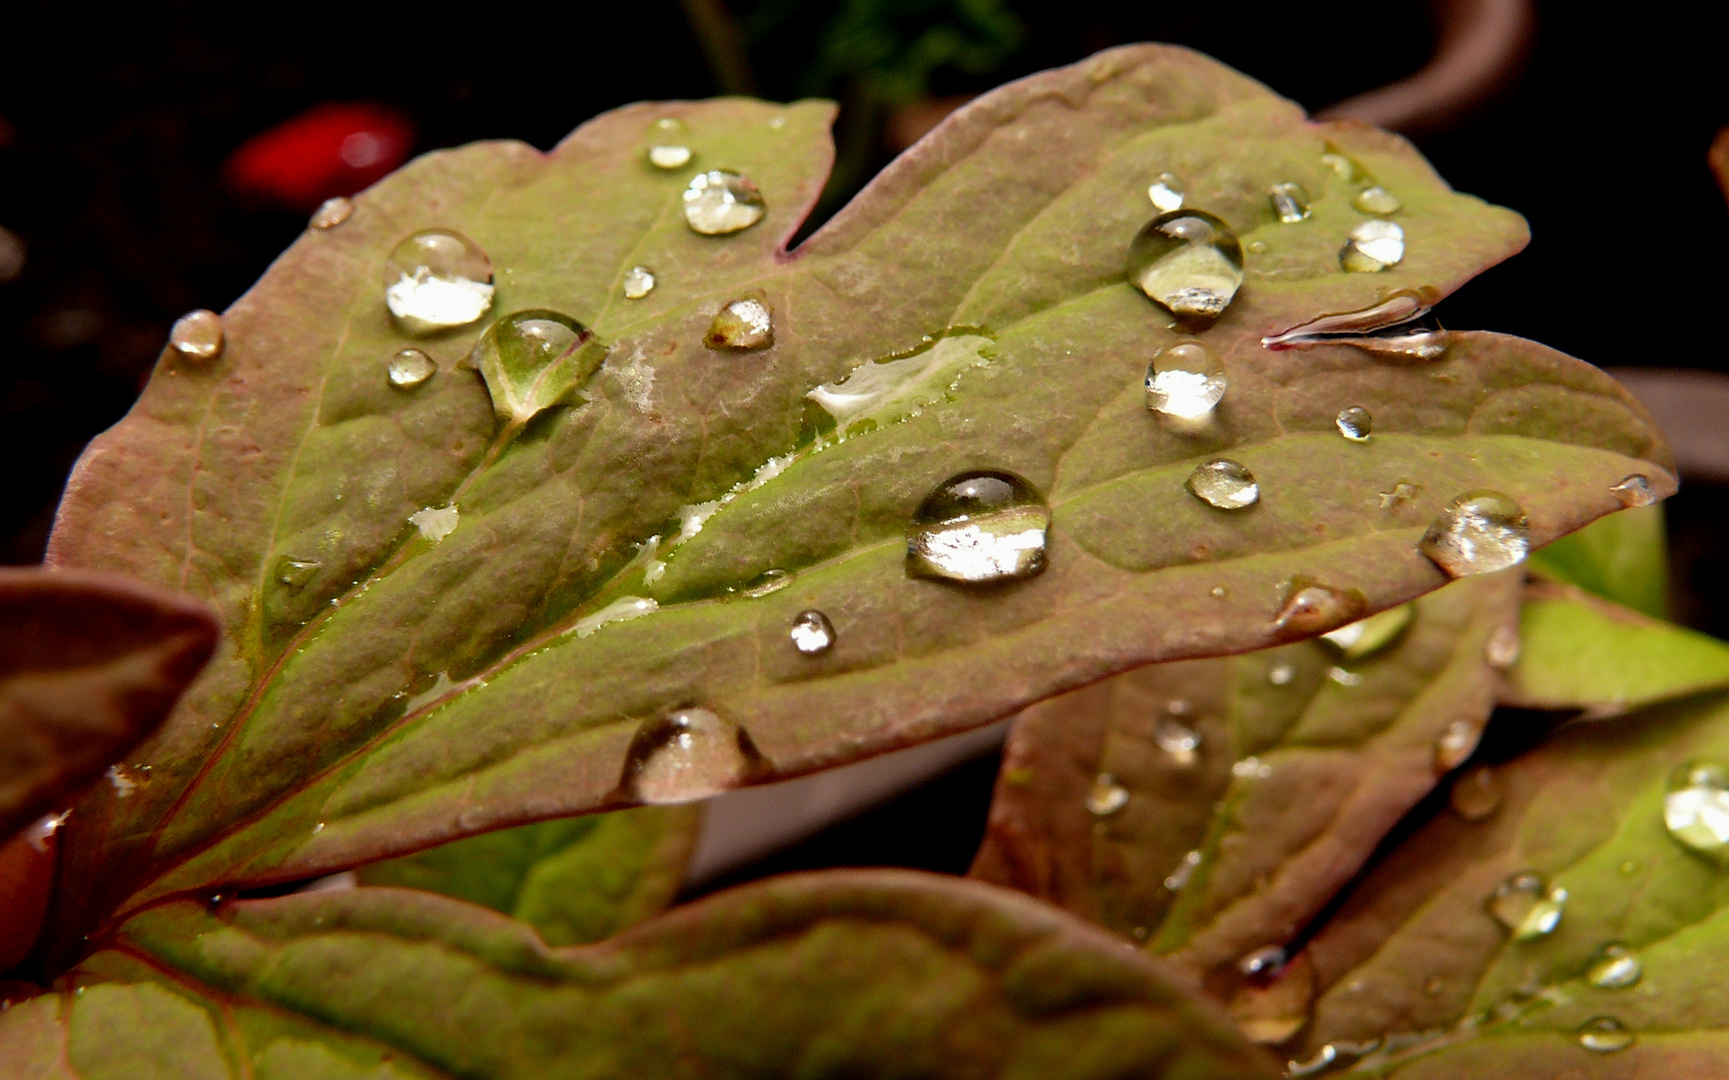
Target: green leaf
<point x="387" y="687"/>
<point x="1211" y="850"/>
<point x="1579" y="652"/>
<point x="1623" y="557"/>
<point x="575" y="880"/>
<point x="850" y="973"/>
<point x="1415" y="956"/>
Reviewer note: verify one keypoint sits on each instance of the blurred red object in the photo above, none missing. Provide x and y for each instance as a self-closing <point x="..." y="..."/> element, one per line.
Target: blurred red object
<point x="327" y="150"/>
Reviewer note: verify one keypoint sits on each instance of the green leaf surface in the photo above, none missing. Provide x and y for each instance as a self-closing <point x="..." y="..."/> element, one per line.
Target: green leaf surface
<point x="1305" y="760"/>
<point x="575" y="880"/>
<point x="1580" y="652"/>
<point x="848" y="973"/>
<point x="381" y="692"/>
<point x="1623" y="557"/>
<point x="1415" y="954"/>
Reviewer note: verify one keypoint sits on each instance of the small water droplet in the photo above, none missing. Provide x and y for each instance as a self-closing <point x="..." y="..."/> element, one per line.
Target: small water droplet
<point x="1635" y="490"/>
<point x="127" y="779"/>
<point x="409" y="368"/>
<point x="1629" y="866"/>
<point x="668" y="129"/>
<point x="638" y="282"/>
<point x="1218" y="592"/>
<point x="472" y="817"/>
<point x="1501" y="650"/>
<point x="1185" y="381"/>
<point x="812" y="633"/>
<point x="1184" y="871"/>
<point x="1478" y="533"/>
<point x="1311" y="607"/>
<point x="437" y="279"/>
<point x="719" y="203"/>
<point x="435" y="523"/>
<point x="331" y="213"/>
<point x="1354" y="423"/>
<point x="1189" y="261"/>
<point x="1372" y="247"/>
<point x="1166" y="193"/>
<point x="1476" y="794"/>
<point x="197" y="335"/>
<point x="1526" y="906"/>
<point x="669" y="156"/>
<point x="1343" y="167"/>
<point x="1251" y="768"/>
<point x="1224" y="484"/>
<point x="295" y="573"/>
<point x="1323" y="1059"/>
<point x="1263" y="963"/>
<point x="1256" y="247"/>
<point x="1455" y="743"/>
<point x="1344" y="677"/>
<point x="979" y="527"/>
<point x="686" y="755"/>
<point x="1604" y="1035"/>
<point x="1178" y="740"/>
<point x="1365" y="637"/>
<point x="1281" y="674"/>
<point x="1696" y="807"/>
<point x="1107" y="796"/>
<point x="742" y="324"/>
<point x="1290" y="202"/>
<point x="1377" y="200"/>
<point x="1400" y="494"/>
<point x="772" y="580"/>
<point x="1616" y="968"/>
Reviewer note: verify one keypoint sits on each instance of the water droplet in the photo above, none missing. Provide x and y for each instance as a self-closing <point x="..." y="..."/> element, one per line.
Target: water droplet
<point x="435" y="523"/>
<point x="127" y="779"/>
<point x="472" y="817"/>
<point x="1476" y="794"/>
<point x="1263" y="963"/>
<point x="638" y="282"/>
<point x="1251" y="768"/>
<point x="1604" y="1035"/>
<point x="669" y="156"/>
<point x="1343" y="167"/>
<point x="409" y="368"/>
<point x="979" y="527"/>
<point x="1166" y="193"/>
<point x="1478" y="533"/>
<point x="1185" y="381"/>
<point x="1256" y="247"/>
<point x="772" y="580"/>
<point x="1629" y="866"/>
<point x="623" y="609"/>
<point x="39" y="832"/>
<point x="437" y="279"/>
<point x="1365" y="637"/>
<point x="686" y="755"/>
<point x="331" y="213"/>
<point x="1107" y="796"/>
<point x="1344" y="677"/>
<point x="1372" y="247"/>
<point x="1311" y="607"/>
<point x="667" y="129"/>
<point x="1189" y="261"/>
<point x="534" y="359"/>
<point x="1377" y="200"/>
<point x="197" y="335"/>
<point x="1354" y="423"/>
<point x="1525" y="905"/>
<point x="1616" y="968"/>
<point x="812" y="633"/>
<point x="1178" y="740"/>
<point x="742" y="324"/>
<point x="1635" y="490"/>
<point x="1455" y="743"/>
<point x="1281" y="674"/>
<point x="1696" y="808"/>
<point x="1224" y="484"/>
<point x="1184" y="871"/>
<point x="1290" y="202"/>
<point x="295" y="573"/>
<point x="1400" y="494"/>
<point x="1323" y="1059"/>
<point x="719" y="203"/>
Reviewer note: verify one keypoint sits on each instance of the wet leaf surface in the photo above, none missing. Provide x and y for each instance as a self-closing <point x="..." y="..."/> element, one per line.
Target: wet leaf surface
<point x="848" y="973"/>
<point x="386" y="686"/>
<point x="1623" y="557"/>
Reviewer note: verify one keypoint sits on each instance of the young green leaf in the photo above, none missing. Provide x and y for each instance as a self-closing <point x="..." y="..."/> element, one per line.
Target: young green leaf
<point x="1623" y="557"/>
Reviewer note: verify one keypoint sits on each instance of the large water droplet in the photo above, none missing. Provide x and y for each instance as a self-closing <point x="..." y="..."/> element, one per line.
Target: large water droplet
<point x="1525" y="905"/>
<point x="718" y="203"/>
<point x="331" y="213"/>
<point x="437" y="279"/>
<point x="197" y="335"/>
<point x="669" y="156"/>
<point x="1478" y="533"/>
<point x="1166" y="193"/>
<point x="1476" y="794"/>
<point x="1290" y="202"/>
<point x="1696" y="808"/>
<point x="1185" y="381"/>
<point x="1372" y="247"/>
<point x="1377" y="200"/>
<point x="1107" y="796"/>
<point x="1635" y="490"/>
<point x="1616" y="968"/>
<point x="409" y="368"/>
<point x="1311" y="607"/>
<point x="1177" y="739"/>
<point x="1354" y="423"/>
<point x="1604" y="1035"/>
<point x="534" y="359"/>
<point x="1399" y="325"/>
<point x="1224" y="484"/>
<point x="638" y="282"/>
<point x="1501" y="650"/>
<point x="1365" y="637"/>
<point x="742" y="324"/>
<point x="979" y="527"/>
<point x="1189" y="261"/>
<point x="1184" y="871"/>
<point x="1455" y="744"/>
<point x="686" y="755"/>
<point x="812" y="633"/>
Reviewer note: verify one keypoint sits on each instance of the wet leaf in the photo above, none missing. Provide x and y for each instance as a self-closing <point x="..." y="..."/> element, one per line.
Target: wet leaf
<point x="1295" y="779"/>
<point x="575" y="880"/>
<point x="1623" y="557"/>
<point x="388" y="687"/>
<point x="1580" y="652"/>
<point x="1414" y="953"/>
<point x="850" y="973"/>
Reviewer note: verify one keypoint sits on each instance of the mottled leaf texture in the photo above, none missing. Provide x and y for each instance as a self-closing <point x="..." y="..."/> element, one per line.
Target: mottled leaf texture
<point x="90" y="664"/>
<point x="1414" y="958"/>
<point x="384" y="690"/>
<point x="575" y="880"/>
<point x="848" y="973"/>
<point x="1623" y="557"/>
<point x="1303" y="763"/>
